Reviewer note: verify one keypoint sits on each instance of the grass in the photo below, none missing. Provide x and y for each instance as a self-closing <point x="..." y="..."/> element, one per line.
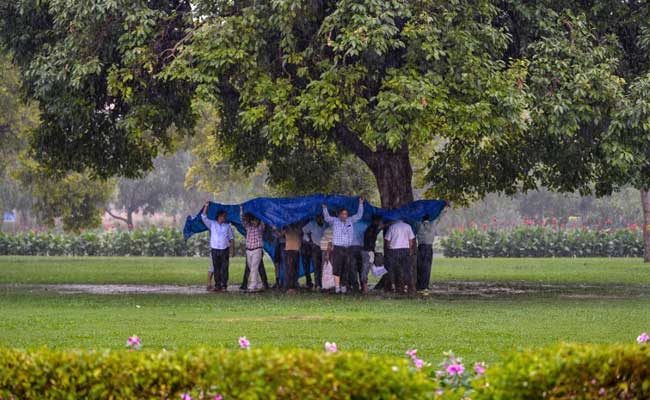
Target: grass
<point x="475" y="327"/>
<point x="192" y="271"/>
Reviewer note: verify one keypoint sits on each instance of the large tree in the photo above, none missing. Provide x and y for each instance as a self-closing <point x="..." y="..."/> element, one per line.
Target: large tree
<point x="589" y="106"/>
<point x="299" y="85"/>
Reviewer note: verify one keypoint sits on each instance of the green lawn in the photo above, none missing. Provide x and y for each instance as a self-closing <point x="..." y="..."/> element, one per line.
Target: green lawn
<point x="192" y="271"/>
<point x="613" y="308"/>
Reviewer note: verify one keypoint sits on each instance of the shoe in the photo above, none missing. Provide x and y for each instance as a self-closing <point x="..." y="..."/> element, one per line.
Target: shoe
<point x="209" y="288"/>
<point x="344" y="290"/>
<point x="337" y="290"/>
<point x="364" y="289"/>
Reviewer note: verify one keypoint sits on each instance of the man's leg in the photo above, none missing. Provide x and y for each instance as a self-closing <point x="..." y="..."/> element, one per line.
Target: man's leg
<point x="337" y="266"/>
<point x="425" y="255"/>
<point x="247" y="274"/>
<point x="265" y="278"/>
<point x="217" y="261"/>
<point x="317" y="259"/>
<point x="210" y="272"/>
<point x="346" y="266"/>
<point x="305" y="252"/>
<point x="255" y="257"/>
<point x="226" y="267"/>
<point x="365" y="270"/>
<point x="292" y="268"/>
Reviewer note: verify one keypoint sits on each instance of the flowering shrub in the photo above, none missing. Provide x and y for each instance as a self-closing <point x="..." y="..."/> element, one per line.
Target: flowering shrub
<point x="207" y="374"/>
<point x="166" y="242"/>
<point x="544" y="242"/>
<point x="569" y="371"/>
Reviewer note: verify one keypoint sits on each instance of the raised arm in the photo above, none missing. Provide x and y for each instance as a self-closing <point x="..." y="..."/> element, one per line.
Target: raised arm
<point x="356" y="217"/>
<point x="326" y="215"/>
<point x="245" y="223"/>
<point x="204" y="215"/>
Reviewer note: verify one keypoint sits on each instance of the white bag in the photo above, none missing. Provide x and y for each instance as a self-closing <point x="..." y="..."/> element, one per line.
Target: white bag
<point x="378" y="271"/>
<point x="328" y="276"/>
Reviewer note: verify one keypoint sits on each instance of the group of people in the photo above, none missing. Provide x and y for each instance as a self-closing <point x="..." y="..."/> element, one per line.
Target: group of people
<point x="341" y="248"/>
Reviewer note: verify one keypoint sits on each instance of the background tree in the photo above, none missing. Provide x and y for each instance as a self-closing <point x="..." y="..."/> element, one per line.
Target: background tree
<point x="165" y="183"/>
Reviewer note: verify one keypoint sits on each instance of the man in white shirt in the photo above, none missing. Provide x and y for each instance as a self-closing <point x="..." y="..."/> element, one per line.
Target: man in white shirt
<point x="222" y="246"/>
<point x="400" y="241"/>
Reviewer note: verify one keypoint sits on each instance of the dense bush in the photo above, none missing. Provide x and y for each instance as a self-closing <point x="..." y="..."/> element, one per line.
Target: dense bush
<point x="145" y="242"/>
<point x="266" y="374"/>
<point x="544" y="242"/>
<point x="571" y="372"/>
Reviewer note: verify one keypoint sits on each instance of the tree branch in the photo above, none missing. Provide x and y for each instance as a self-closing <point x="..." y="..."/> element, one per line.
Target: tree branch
<point x="116" y="216"/>
<point x="352" y="142"/>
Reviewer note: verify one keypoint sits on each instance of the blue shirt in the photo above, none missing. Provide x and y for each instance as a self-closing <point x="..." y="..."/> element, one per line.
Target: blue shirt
<point x="358" y="230"/>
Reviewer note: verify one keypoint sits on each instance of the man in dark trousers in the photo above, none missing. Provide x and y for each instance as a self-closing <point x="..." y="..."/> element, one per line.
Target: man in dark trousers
<point x="222" y="246"/>
<point x="342" y="231"/>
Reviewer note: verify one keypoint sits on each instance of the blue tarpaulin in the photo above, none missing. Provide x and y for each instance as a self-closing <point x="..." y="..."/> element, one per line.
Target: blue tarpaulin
<point x="281" y="212"/>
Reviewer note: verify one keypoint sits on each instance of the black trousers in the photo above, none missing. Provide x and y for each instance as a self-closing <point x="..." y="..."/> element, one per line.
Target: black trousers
<point x="317" y="259"/>
<point x="292" y="257"/>
<point x="342" y="264"/>
<point x="247" y="274"/>
<point x="356" y="266"/>
<point x="306" y="256"/>
<point x="398" y="264"/>
<point x="425" y="256"/>
<point x="221" y="263"/>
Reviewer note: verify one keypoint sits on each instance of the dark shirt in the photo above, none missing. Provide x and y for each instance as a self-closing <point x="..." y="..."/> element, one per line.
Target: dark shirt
<point x="370" y="237"/>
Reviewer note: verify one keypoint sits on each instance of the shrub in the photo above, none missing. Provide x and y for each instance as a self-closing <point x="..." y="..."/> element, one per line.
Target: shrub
<point x="165" y="242"/>
<point x="570" y="371"/>
<point x="268" y="374"/>
<point x="544" y="242"/>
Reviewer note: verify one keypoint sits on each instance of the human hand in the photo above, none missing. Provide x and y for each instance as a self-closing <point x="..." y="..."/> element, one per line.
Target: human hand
<point x="360" y="199"/>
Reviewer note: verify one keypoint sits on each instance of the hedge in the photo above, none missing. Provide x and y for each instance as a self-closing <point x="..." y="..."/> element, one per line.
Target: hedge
<point x="243" y="374"/>
<point x="565" y="371"/>
<point x="544" y="242"/>
<point x="570" y="371"/>
<point x="141" y="242"/>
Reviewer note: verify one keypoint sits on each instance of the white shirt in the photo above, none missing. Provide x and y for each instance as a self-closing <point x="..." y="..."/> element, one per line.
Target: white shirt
<point x="220" y="234"/>
<point x="315" y="230"/>
<point x="399" y="235"/>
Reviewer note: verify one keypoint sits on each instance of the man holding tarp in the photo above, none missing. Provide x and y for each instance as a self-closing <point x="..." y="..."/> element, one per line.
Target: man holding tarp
<point x="222" y="246"/>
<point x="342" y="230"/>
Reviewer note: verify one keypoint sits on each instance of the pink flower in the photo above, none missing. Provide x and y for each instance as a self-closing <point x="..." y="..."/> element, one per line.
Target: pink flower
<point x="412" y="353"/>
<point x="479" y="368"/>
<point x="455" y="369"/>
<point x="217" y="397"/>
<point x="186" y="396"/>
<point x="418" y="363"/>
<point x="643" y="338"/>
<point x="134" y="343"/>
<point x="244" y="343"/>
<point x="440" y="392"/>
<point x="331" y="347"/>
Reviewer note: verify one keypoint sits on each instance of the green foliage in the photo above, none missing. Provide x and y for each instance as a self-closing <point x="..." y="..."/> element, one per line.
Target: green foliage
<point x="164" y="242"/>
<point x="298" y="83"/>
<point x="91" y="66"/>
<point x="544" y="242"/>
<point x="570" y="371"/>
<point x="272" y="374"/>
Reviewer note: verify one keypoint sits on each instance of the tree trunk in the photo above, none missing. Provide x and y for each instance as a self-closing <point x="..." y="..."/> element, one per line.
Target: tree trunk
<point x="129" y="219"/>
<point x="394" y="175"/>
<point x="645" y="201"/>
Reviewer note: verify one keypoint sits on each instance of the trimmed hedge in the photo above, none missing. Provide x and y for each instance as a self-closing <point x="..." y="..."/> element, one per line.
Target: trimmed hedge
<point x="266" y="374"/>
<point x="544" y="242"/>
<point x="165" y="242"/>
<point x="565" y="371"/>
<point x="570" y="371"/>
